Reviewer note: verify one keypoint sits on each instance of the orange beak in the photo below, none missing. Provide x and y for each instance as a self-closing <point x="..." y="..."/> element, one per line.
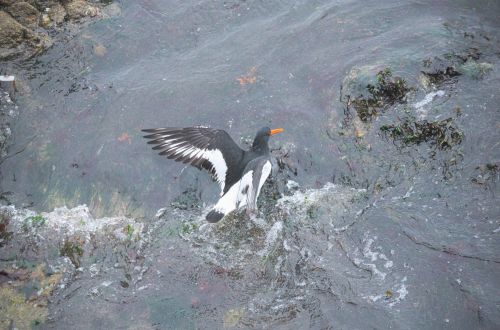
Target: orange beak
<point x="276" y="131"/>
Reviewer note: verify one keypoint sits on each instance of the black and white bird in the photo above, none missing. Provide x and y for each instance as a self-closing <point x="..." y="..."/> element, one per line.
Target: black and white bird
<point x="240" y="173"/>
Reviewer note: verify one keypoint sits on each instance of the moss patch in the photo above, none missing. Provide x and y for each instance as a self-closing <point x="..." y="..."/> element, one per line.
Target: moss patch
<point x="187" y="228"/>
<point x="35" y="221"/>
<point x="129" y="231"/>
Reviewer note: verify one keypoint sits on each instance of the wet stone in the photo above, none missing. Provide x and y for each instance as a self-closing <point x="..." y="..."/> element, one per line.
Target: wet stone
<point x="24" y="13"/>
<point x="7" y="2"/>
<point x="56" y="14"/>
<point x="20" y="22"/>
<point x="79" y="8"/>
<point x="11" y="35"/>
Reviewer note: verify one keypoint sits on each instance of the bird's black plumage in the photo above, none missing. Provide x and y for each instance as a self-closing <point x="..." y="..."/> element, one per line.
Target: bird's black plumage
<point x="215" y="151"/>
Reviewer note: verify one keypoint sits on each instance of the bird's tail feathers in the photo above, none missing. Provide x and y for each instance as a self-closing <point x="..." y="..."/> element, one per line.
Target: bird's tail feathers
<point x="214" y="216"/>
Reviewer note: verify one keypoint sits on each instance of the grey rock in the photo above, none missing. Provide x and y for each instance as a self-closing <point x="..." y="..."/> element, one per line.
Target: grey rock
<point x="57" y="13"/>
<point x="12" y="35"/>
<point x="80" y="8"/>
<point x="24" y="13"/>
<point x="7" y="2"/>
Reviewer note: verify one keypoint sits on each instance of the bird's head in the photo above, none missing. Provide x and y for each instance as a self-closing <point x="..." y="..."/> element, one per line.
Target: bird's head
<point x="262" y="137"/>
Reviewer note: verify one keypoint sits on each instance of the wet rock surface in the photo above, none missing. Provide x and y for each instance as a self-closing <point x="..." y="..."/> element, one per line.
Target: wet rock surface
<point x="273" y="270"/>
<point x="382" y="208"/>
<point x="43" y="254"/>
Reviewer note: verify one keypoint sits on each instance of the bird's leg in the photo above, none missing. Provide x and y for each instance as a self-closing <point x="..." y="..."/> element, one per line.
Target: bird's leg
<point x="251" y="212"/>
<point x="253" y="216"/>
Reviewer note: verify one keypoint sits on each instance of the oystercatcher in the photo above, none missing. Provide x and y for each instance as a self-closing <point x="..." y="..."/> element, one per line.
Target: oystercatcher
<point x="240" y="173"/>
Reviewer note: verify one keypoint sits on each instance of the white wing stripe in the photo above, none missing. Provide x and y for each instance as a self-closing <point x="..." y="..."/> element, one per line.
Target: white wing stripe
<point x="217" y="159"/>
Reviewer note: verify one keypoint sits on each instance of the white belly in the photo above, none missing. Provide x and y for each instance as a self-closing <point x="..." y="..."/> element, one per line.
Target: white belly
<point x="243" y="192"/>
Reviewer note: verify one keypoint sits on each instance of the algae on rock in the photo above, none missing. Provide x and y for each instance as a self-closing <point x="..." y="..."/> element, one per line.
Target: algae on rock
<point x="18" y="313"/>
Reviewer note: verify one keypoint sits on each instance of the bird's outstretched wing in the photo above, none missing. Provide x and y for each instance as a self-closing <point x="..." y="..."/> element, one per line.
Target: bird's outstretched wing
<point x="206" y="148"/>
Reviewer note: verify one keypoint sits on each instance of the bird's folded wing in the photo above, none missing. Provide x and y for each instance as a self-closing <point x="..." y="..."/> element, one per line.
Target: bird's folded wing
<point x="261" y="168"/>
<point x="206" y="148"/>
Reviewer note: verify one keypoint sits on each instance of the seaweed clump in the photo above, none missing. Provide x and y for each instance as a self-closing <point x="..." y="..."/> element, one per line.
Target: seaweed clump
<point x="483" y="174"/>
<point x="73" y="250"/>
<point x="386" y="92"/>
<point x="445" y="69"/>
<point x="5" y="235"/>
<point x="439" y="76"/>
<point x="444" y="134"/>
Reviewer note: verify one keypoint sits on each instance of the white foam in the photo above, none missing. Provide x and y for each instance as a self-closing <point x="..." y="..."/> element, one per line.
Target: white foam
<point x="427" y="99"/>
<point x="272" y="236"/>
<point x="292" y="185"/>
<point x="7" y="78"/>
<point x="64" y="222"/>
<point x="330" y="191"/>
